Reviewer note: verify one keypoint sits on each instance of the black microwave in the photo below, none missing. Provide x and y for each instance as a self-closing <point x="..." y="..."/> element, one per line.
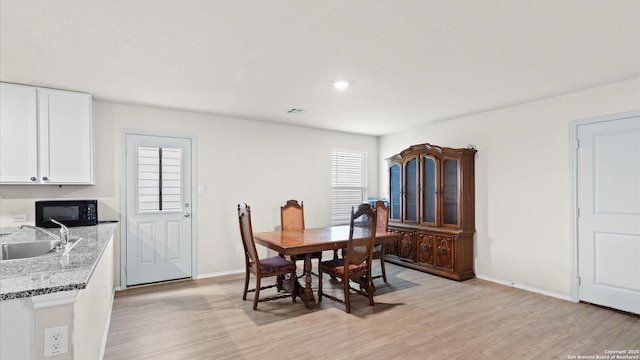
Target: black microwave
<point x="69" y="212"/>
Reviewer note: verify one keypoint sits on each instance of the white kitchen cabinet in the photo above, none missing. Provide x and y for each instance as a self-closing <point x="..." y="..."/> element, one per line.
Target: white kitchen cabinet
<point x="46" y="136"/>
<point x="18" y="134"/>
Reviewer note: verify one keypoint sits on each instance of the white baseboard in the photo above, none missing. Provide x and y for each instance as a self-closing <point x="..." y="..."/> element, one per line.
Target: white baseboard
<point x="198" y="277"/>
<point x="106" y="326"/>
<point x="525" y="287"/>
<point x="220" y="274"/>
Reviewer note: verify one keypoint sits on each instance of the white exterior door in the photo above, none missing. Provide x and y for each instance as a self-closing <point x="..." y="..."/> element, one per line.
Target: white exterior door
<point x="158" y="208"/>
<point x="608" y="194"/>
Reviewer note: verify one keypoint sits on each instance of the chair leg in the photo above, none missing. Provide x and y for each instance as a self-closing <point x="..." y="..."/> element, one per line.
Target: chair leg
<point x="384" y="271"/>
<point x="347" y="303"/>
<point x="370" y="290"/>
<point x="383" y="250"/>
<point x="293" y="286"/>
<point x="335" y="257"/>
<point x="246" y="285"/>
<point x="257" y="296"/>
<point x="319" y="285"/>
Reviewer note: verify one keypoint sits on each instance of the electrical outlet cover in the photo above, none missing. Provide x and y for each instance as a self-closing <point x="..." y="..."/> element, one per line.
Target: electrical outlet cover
<point x="56" y="340"/>
<point x="19" y="218"/>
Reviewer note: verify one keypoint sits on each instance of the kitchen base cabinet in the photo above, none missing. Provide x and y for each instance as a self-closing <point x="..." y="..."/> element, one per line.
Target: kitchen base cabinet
<point x="431" y="199"/>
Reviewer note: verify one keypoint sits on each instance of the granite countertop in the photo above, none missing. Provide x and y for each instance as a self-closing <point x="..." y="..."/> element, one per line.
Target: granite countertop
<point x="29" y="277"/>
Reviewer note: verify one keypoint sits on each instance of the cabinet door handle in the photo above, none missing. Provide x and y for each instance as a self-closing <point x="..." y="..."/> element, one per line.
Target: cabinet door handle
<point x="425" y="247"/>
<point x="443" y="251"/>
<point x="33" y="178"/>
<point x="44" y="178"/>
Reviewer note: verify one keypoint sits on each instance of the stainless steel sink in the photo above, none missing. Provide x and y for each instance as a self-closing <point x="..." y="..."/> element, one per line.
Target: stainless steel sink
<point x="38" y="248"/>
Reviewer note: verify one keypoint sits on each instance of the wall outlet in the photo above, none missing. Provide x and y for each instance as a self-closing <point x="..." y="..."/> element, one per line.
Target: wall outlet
<point x="19" y="218"/>
<point x="239" y="249"/>
<point x="56" y="340"/>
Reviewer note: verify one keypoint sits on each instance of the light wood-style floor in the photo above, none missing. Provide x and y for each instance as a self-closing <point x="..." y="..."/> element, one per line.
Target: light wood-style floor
<point x="416" y="316"/>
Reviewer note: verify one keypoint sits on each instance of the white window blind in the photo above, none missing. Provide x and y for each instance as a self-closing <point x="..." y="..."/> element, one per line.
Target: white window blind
<point x="348" y="184"/>
<point x="159" y="179"/>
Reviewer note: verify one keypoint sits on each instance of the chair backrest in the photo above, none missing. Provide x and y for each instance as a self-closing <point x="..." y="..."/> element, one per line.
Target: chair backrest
<point x="292" y="216"/>
<point x="246" y="232"/>
<point x="362" y="235"/>
<point x="382" y="215"/>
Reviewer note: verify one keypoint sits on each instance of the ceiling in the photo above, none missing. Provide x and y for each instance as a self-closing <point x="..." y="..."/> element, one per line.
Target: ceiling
<point x="408" y="62"/>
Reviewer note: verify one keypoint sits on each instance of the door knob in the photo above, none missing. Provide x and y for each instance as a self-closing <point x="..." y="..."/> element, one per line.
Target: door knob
<point x="187" y="214"/>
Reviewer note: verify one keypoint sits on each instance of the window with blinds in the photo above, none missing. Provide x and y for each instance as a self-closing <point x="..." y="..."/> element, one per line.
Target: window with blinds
<point x="159" y="179"/>
<point x="348" y="184"/>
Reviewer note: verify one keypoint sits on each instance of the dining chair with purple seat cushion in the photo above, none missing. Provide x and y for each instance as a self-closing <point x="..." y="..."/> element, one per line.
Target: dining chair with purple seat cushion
<point x="261" y="268"/>
<point x="356" y="263"/>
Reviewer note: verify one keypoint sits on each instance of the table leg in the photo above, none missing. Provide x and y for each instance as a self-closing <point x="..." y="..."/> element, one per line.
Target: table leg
<point x="309" y="300"/>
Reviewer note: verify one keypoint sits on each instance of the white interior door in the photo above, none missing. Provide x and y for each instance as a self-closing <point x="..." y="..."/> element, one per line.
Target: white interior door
<point x="608" y="183"/>
<point x="158" y="208"/>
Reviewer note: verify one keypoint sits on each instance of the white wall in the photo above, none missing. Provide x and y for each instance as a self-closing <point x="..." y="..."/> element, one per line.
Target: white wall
<point x="238" y="160"/>
<point x="522" y="177"/>
<point x="523" y="184"/>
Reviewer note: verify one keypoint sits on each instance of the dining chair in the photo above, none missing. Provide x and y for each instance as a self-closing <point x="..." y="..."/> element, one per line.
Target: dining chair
<point x="356" y="263"/>
<point x="261" y="268"/>
<point x="382" y="216"/>
<point x="292" y="218"/>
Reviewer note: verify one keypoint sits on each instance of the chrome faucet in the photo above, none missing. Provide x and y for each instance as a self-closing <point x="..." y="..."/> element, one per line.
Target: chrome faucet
<point x="64" y="233"/>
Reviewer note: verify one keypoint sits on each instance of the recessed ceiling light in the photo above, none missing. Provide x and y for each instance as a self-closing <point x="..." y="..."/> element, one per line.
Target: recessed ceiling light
<point x="341" y="85"/>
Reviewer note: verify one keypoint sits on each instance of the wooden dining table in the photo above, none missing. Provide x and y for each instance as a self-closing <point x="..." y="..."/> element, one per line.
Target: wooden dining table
<point x="308" y="241"/>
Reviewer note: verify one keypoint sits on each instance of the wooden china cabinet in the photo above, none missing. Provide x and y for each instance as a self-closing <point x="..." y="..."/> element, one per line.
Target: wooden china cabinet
<point x="431" y="205"/>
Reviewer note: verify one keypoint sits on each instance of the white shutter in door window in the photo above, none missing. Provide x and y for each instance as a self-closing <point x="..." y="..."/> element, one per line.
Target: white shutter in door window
<point x="171" y="179"/>
<point x="159" y="179"/>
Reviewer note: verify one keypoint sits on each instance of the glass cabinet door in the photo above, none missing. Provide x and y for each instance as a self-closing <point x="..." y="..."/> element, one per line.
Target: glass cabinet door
<point x="429" y="190"/>
<point x="395" y="184"/>
<point x="411" y="190"/>
<point x="450" y="192"/>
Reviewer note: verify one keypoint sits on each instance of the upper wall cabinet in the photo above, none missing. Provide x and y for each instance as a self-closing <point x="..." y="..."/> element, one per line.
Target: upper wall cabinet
<point x="46" y="136"/>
